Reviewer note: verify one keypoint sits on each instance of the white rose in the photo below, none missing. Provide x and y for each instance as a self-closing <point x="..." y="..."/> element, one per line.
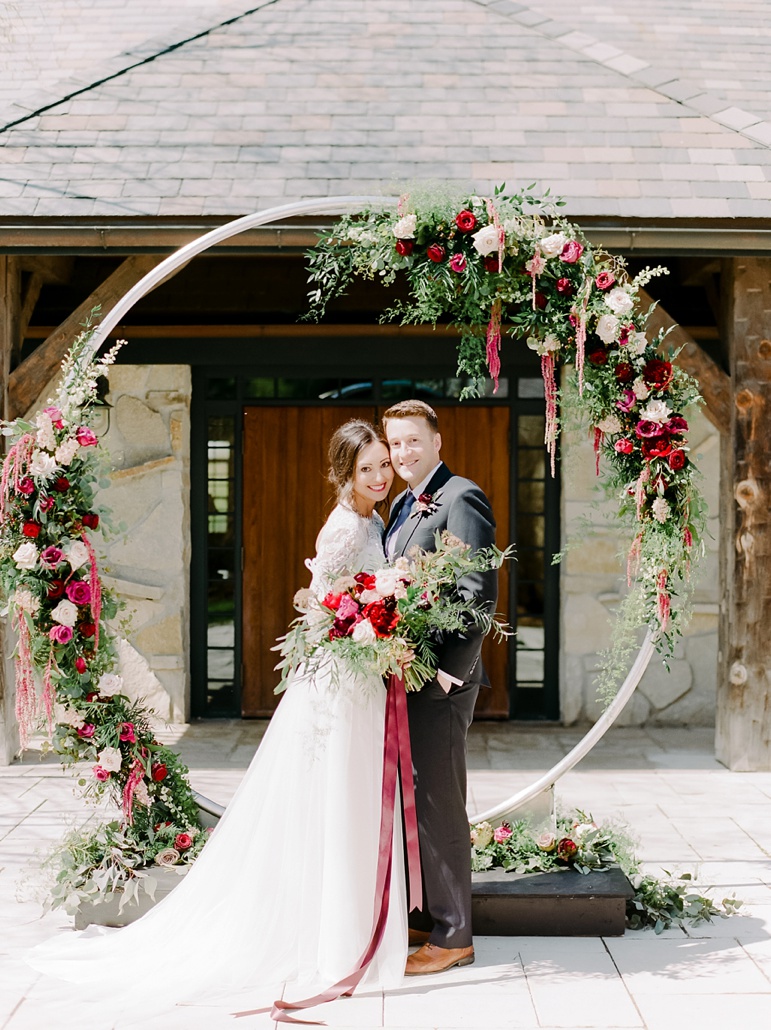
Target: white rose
<point x="660" y="509"/>
<point x="368" y="596"/>
<point x="42" y="464"/>
<point x="363" y="633"/>
<point x="547" y="345"/>
<point x="26" y="556"/>
<point x="405" y="227"/>
<point x="76" y="553"/>
<point x="619" y="301"/>
<point x="66" y="451"/>
<point x="109" y="684"/>
<point x="640" y="390"/>
<point x="607" y="328"/>
<point x="386" y="581"/>
<point x="110" y="759"/>
<point x="637" y="343"/>
<point x="65" y="613"/>
<point x="552" y="245"/>
<point x="141" y="794"/>
<point x="611" y="424"/>
<point x="656" y="411"/>
<point x="486" y="240"/>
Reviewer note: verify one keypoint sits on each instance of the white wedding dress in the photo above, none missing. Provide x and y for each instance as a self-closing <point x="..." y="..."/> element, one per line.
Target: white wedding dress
<point x="284" y="889"/>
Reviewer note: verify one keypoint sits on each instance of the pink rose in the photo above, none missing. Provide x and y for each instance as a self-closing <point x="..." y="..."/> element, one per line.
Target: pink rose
<point x="572" y="251"/>
<point x="56" y="417"/>
<point x="458" y="262"/>
<point x="26" y="486"/>
<point x="604" y="280"/>
<point x="87" y="730"/>
<point x="183" y="841"/>
<point x="502" y="833"/>
<point x="86" y="437"/>
<point x="60" y="634"/>
<point x="51" y="557"/>
<point x="127" y="732"/>
<point x="47" y="503"/>
<point x="677" y="424"/>
<point x="79" y="592"/>
<point x="623" y="446"/>
<point x="101" y="774"/>
<point x="648" y="430"/>
<point x="348" y="608"/>
<point x="627" y="402"/>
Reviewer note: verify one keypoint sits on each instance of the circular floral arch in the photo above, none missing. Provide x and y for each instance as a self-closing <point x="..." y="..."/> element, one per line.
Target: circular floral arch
<point x="487" y="264"/>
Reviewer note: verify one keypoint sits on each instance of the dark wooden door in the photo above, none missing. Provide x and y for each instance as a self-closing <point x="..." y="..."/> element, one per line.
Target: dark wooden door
<point x="286" y="498"/>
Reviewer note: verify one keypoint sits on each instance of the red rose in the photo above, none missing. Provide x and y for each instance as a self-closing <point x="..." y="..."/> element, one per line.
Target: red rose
<point x="47" y="503"/>
<point x="490" y="262"/>
<point x="541" y="300"/>
<point x="677" y="460"/>
<point x="659" y="447"/>
<point x="648" y="430"/>
<point x="624" y="372"/>
<point x="404" y="247"/>
<point x="87" y="730"/>
<point x="159" y="772"/>
<point x="598" y="356"/>
<point x="91" y="519"/>
<point x="657" y="373"/>
<point x="623" y="446"/>
<point x="572" y="251"/>
<point x="80" y="664"/>
<point x="566" y="848"/>
<point x="183" y="841"/>
<point x="466" y="220"/>
<point x="56" y="588"/>
<point x="61" y="484"/>
<point x="435" y="252"/>
<point x="382" y="615"/>
<point x="87" y="629"/>
<point x="677" y="424"/>
<point x="93" y="696"/>
<point x="31" y="529"/>
<point x="26" y="486"/>
<point x="604" y="281"/>
<point x="332" y="601"/>
<point x="565" y="287"/>
<point x="365" y="580"/>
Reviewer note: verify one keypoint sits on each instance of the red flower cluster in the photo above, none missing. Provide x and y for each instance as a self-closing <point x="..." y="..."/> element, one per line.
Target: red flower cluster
<point x="350" y="609"/>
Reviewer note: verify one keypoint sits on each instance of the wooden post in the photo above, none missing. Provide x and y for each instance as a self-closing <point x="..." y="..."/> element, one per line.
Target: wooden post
<point x="743" y="730"/>
<point x="10" y="313"/>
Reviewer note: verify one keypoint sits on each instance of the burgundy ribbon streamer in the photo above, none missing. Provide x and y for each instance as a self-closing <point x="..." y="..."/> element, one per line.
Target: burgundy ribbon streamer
<point x="397" y="759"/>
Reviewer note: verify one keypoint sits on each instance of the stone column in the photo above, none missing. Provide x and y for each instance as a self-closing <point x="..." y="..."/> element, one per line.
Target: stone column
<point x="743" y="729"/>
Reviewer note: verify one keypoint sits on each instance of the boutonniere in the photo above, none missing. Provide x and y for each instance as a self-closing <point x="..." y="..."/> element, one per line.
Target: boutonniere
<point x="426" y="504"/>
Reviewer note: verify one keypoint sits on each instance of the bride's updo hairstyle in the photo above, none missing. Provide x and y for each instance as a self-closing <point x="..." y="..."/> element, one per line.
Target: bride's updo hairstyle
<point x="346" y="445"/>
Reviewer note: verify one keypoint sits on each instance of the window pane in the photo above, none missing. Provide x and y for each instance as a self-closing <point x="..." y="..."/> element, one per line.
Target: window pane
<point x="530" y="496"/>
<point x="221" y="664"/>
<point x="221" y="389"/>
<point x="530" y="387"/>
<point x="260" y="387"/>
<point x="531" y="430"/>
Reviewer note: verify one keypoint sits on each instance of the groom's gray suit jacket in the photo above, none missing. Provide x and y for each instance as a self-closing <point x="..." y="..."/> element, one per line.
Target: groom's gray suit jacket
<point x="461" y="507"/>
<point x="439" y="721"/>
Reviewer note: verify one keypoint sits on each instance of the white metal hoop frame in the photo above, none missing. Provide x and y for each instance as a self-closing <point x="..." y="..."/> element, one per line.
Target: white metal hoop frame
<point x="335" y="206"/>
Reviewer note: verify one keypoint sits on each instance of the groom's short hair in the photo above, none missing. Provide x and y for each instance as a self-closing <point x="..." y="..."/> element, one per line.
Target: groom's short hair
<point x="413" y="409"/>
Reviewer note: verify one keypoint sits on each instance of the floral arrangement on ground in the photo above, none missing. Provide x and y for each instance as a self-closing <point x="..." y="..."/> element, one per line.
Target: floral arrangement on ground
<point x="581" y="844"/>
<point x="54" y="594"/>
<point x="512" y="261"/>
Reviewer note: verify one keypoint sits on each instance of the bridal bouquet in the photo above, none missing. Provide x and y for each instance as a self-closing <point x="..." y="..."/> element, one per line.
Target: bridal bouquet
<point x="388" y="621"/>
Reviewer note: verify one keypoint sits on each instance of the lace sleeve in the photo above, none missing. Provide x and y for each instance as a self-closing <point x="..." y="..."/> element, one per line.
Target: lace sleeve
<point x="339" y="547"/>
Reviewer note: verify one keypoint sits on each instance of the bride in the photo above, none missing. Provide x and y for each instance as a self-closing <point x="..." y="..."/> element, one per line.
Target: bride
<point x="284" y="889"/>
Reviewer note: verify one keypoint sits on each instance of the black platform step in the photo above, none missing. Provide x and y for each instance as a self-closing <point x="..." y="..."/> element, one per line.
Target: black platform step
<point x="560" y="904"/>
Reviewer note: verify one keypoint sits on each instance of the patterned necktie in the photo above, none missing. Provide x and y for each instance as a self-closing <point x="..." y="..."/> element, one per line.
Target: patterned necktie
<point x="401" y="518"/>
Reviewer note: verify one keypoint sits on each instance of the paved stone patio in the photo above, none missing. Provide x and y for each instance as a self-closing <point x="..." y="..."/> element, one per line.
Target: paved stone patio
<point x="687" y="810"/>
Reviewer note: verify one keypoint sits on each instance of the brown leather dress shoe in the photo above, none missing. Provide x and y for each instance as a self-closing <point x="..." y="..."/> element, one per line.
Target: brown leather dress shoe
<point x="417" y="936"/>
<point x="433" y="959"/>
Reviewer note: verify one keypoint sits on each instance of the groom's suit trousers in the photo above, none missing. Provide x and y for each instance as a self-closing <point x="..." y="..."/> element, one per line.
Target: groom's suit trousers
<point x="439" y="724"/>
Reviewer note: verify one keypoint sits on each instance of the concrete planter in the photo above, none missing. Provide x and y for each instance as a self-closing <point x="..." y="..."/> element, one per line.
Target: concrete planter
<point x="105" y="912"/>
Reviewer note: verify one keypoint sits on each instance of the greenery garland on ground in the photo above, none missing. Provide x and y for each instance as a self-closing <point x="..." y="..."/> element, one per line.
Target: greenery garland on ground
<point x="66" y="660"/>
<point x="511" y="260"/>
<point x="580" y="844"/>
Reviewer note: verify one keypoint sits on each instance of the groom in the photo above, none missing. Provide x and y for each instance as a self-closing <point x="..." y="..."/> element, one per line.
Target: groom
<point x="441" y="713"/>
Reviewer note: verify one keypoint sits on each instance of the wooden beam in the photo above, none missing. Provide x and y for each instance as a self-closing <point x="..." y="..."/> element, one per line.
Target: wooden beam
<point x="714" y="383"/>
<point x="10" y="304"/>
<point x="51" y="269"/>
<point x="743" y="724"/>
<point x="33" y="374"/>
